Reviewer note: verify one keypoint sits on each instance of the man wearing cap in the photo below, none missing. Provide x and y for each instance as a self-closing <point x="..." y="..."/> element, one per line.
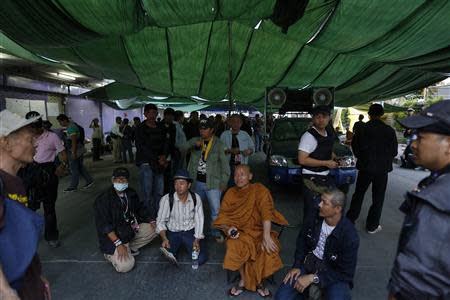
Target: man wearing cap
<point x="422" y="265"/>
<point x="19" y="239"/>
<point x="180" y="218"/>
<point x="75" y="152"/>
<point x="375" y="147"/>
<point x="41" y="176"/>
<point x="239" y="145"/>
<point x="315" y="154"/>
<point x="152" y="148"/>
<point x="122" y="222"/>
<point x="209" y="168"/>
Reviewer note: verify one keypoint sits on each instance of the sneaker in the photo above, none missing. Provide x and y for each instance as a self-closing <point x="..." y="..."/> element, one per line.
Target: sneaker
<point x="88" y="185"/>
<point x="167" y="254"/>
<point x="70" y="189"/>
<point x="54" y="244"/>
<point x="134" y="252"/>
<point x="378" y="229"/>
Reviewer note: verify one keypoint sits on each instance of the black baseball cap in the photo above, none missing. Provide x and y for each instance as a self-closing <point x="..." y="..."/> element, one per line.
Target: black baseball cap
<point x="206" y="123"/>
<point x="320" y="109"/>
<point x="121" y="172"/>
<point x="435" y="118"/>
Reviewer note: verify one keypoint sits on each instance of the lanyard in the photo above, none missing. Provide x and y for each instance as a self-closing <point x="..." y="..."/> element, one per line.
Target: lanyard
<point x="207" y="148"/>
<point x="124" y="202"/>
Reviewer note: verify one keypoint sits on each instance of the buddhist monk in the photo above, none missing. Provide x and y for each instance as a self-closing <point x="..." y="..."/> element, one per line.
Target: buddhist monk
<point x="246" y="215"/>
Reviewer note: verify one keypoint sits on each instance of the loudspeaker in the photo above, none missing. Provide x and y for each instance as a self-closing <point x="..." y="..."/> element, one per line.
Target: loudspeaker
<point x="304" y="100"/>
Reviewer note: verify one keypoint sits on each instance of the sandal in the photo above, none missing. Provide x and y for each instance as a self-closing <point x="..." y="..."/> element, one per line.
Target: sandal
<point x="238" y="290"/>
<point x="261" y="290"/>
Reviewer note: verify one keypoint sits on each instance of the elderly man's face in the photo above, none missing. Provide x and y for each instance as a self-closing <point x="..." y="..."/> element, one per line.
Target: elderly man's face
<point x="327" y="209"/>
<point x="431" y="150"/>
<point x="182" y="186"/>
<point x="242" y="176"/>
<point x="20" y="145"/>
<point x="235" y="123"/>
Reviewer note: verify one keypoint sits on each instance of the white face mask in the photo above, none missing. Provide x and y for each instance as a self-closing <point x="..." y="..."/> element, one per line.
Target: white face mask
<point x="120" y="187"/>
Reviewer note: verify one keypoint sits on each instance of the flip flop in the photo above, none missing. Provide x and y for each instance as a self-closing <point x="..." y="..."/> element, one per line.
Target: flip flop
<point x="260" y="290"/>
<point x="238" y="290"/>
<point x="170" y="257"/>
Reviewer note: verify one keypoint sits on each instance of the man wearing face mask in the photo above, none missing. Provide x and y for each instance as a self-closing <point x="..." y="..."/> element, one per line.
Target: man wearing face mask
<point x="120" y="218"/>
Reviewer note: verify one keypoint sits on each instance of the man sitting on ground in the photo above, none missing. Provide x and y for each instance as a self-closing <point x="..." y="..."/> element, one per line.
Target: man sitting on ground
<point x="326" y="254"/>
<point x="246" y="216"/>
<point x="121" y="221"/>
<point x="180" y="219"/>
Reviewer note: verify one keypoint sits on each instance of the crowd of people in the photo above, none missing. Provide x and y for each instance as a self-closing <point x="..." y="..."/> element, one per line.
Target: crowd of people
<point x="184" y="166"/>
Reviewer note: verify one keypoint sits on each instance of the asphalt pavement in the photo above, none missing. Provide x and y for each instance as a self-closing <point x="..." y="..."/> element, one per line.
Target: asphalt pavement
<point x="77" y="269"/>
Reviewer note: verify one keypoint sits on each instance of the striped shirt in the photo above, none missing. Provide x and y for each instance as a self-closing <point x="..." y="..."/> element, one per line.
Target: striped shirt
<point x="183" y="216"/>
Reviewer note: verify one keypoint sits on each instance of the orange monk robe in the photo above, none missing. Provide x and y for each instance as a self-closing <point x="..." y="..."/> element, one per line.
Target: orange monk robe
<point x="246" y="210"/>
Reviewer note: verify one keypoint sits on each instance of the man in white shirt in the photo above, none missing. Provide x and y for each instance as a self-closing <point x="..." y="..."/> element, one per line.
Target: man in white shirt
<point x="117" y="136"/>
<point x="180" y="219"/>
<point x="238" y="144"/>
<point x="315" y="154"/>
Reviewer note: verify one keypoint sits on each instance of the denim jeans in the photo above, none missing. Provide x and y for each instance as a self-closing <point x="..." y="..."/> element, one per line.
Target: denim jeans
<point x="336" y="291"/>
<point x="258" y="141"/>
<point x="152" y="185"/>
<point x="213" y="197"/>
<point x="186" y="239"/>
<point x="76" y="169"/>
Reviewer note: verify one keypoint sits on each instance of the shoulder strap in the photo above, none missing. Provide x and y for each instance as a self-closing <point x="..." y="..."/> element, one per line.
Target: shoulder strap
<point x="1" y="187"/>
<point x="194" y="198"/>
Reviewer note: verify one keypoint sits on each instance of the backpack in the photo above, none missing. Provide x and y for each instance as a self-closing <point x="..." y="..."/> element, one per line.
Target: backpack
<point x="194" y="198"/>
<point x="82" y="134"/>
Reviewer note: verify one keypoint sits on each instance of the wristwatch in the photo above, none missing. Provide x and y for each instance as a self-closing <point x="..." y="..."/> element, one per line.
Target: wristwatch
<point x="316" y="279"/>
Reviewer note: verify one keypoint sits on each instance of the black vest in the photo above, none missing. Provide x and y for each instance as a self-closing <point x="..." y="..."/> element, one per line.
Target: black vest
<point x="323" y="150"/>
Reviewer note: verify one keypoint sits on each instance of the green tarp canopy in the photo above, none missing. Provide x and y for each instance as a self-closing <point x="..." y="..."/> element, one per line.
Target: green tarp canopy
<point x="366" y="50"/>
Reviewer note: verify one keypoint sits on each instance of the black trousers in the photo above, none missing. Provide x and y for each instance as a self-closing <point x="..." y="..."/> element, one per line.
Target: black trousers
<point x="96" y="148"/>
<point x="379" y="183"/>
<point x="45" y="191"/>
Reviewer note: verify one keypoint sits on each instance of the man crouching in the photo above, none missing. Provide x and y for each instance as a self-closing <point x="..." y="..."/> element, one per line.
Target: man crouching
<point x="121" y="221"/>
<point x="246" y="215"/>
<point x="180" y="220"/>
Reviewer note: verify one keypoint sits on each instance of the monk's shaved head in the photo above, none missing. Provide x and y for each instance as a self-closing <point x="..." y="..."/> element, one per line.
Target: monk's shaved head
<point x="244" y="167"/>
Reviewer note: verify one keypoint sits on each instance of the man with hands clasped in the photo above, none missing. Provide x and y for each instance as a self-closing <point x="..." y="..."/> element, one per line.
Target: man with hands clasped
<point x="326" y="253"/>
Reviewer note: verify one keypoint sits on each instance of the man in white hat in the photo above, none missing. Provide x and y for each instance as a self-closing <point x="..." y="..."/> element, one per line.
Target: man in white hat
<point x="16" y="151"/>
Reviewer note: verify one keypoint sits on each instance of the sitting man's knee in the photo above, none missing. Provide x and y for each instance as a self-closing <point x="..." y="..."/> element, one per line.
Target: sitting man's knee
<point x="124" y="266"/>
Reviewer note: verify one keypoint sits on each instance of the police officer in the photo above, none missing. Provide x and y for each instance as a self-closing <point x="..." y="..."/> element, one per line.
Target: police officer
<point x="422" y="266"/>
<point x="315" y="154"/>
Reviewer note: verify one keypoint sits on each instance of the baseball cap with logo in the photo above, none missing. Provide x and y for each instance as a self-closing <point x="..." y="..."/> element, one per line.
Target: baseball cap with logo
<point x="10" y="122"/>
<point x="435" y="118"/>
<point x="206" y="123"/>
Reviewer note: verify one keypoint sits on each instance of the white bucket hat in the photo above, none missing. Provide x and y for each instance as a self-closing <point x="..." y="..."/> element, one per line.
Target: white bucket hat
<point x="10" y="122"/>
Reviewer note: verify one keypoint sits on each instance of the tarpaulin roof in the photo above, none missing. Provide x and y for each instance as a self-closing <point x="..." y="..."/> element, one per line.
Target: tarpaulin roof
<point x="367" y="50"/>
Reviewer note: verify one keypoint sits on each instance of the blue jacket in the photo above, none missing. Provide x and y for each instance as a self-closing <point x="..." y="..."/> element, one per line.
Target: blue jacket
<point x="422" y="266"/>
<point x="340" y="254"/>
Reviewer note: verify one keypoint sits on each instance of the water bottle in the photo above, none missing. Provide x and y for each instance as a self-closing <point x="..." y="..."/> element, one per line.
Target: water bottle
<point x="195" y="253"/>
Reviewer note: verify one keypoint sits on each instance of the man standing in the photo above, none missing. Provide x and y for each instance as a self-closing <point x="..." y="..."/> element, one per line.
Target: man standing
<point x="246" y="217"/>
<point x="209" y="167"/>
<point x="375" y="147"/>
<point x="42" y="176"/>
<point x="151" y="152"/>
<point x="238" y="144"/>
<point x="315" y="154"/>
<point x="75" y="152"/>
<point x="358" y="125"/>
<point x="97" y="139"/>
<point x="326" y="253"/>
<point x="19" y="239"/>
<point x="116" y="136"/>
<point x="127" y="142"/>
<point x="180" y="139"/>
<point x="422" y="265"/>
<point x="180" y="219"/>
<point x="258" y="129"/>
<point x="122" y="222"/>
<point x="171" y="132"/>
<point x="191" y="128"/>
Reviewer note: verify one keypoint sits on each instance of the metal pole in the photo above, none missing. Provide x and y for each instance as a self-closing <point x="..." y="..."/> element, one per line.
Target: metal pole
<point x="230" y="72"/>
